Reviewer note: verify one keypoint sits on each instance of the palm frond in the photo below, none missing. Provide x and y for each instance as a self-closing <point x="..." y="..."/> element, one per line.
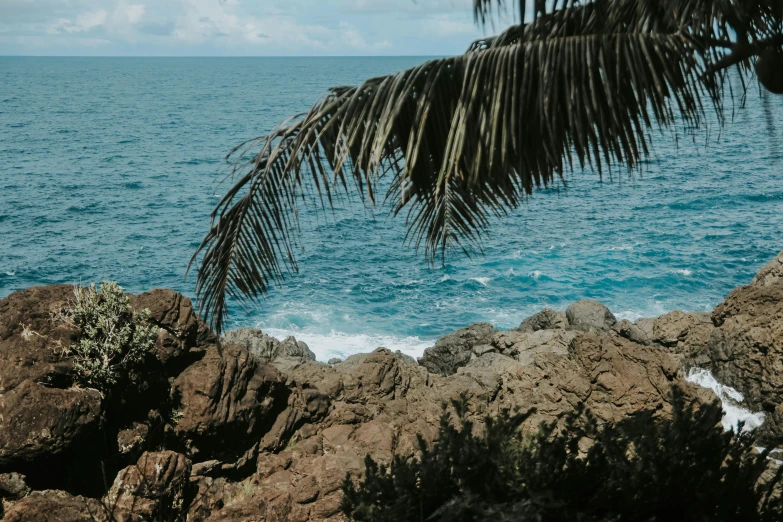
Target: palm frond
<point x="466" y="138"/>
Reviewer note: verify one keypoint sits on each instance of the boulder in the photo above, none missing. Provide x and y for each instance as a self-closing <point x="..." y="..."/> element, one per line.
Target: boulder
<point x="56" y="506"/>
<point x="633" y="331"/>
<point x="33" y="336"/>
<point x="525" y="345"/>
<point x="589" y="313"/>
<point x="13" y="486"/>
<point x="265" y="347"/>
<point x="180" y="327"/>
<point x="769" y="274"/>
<point x="224" y="400"/>
<point x="38" y="422"/>
<point x="456" y="349"/>
<point x="546" y="319"/>
<point x="153" y="489"/>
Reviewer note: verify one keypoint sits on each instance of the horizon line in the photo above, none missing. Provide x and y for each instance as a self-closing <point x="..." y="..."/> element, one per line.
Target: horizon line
<point x="222" y="56"/>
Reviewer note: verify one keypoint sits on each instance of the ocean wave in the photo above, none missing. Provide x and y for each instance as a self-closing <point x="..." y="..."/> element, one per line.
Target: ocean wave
<point x="484" y="281"/>
<point x="730" y="399"/>
<point x="341" y="344"/>
<point x="685" y="272"/>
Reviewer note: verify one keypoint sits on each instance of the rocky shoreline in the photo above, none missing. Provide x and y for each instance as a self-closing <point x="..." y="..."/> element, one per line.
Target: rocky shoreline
<point x="254" y="429"/>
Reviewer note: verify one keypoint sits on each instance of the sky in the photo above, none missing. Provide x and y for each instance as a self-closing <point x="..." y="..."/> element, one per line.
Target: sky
<point x="236" y="27"/>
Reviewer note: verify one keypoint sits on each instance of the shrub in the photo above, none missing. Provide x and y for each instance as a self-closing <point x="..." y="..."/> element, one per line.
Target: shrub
<point x="114" y="338"/>
<point x="684" y="469"/>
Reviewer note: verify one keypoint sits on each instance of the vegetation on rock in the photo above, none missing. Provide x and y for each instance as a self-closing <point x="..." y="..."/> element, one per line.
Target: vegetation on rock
<point x="114" y="337"/>
<point x="686" y="468"/>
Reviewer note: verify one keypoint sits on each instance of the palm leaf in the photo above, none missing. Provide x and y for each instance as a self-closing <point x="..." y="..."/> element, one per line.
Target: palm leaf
<point x="466" y="138"/>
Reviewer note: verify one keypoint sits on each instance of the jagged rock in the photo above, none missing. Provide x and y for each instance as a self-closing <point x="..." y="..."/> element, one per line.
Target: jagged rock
<point x="275" y="441"/>
<point x="179" y="325"/>
<point x="334" y="360"/>
<point x="131" y="439"/>
<point x="546" y="319"/>
<point x="37" y="421"/>
<point x="677" y="328"/>
<point x="524" y="346"/>
<point x="152" y="489"/>
<point x="56" y="506"/>
<point x="33" y="337"/>
<point x="455" y="349"/>
<point x="769" y="274"/>
<point x="13" y="486"/>
<point x="633" y="332"/>
<point x="589" y="313"/>
<point x="265" y="347"/>
<point x="224" y="399"/>
<point x="746" y="347"/>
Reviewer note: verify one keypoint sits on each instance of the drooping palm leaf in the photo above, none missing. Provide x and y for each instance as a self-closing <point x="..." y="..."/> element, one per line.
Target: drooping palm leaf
<point x="465" y="138"/>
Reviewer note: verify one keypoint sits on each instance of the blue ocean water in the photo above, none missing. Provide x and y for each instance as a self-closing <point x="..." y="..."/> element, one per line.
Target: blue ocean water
<point x="109" y="168"/>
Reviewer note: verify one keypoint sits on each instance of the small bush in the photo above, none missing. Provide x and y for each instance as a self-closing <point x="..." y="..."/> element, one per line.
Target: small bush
<point x="684" y="469"/>
<point x="113" y="339"/>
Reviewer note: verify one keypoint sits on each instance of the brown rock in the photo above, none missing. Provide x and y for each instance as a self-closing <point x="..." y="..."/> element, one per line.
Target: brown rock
<point x="306" y="490"/>
<point x="265" y="347"/>
<point x="746" y="347"/>
<point x="326" y="507"/>
<point x="133" y="438"/>
<point x="154" y="488"/>
<point x="173" y="313"/>
<point x="679" y="329"/>
<point x="455" y="349"/>
<point x="546" y="319"/>
<point x="55" y="506"/>
<point x="13" y="486"/>
<point x="33" y="336"/>
<point x="224" y="400"/>
<point x="632" y="332"/>
<point x="37" y="421"/>
<point x="589" y="313"/>
<point x="524" y="346"/>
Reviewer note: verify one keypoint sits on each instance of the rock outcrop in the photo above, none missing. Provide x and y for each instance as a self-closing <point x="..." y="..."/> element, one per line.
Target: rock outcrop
<point x="457" y="349"/>
<point x="254" y="429"/>
<point x="745" y="350"/>
<point x="154" y="488"/>
<point x="266" y="348"/>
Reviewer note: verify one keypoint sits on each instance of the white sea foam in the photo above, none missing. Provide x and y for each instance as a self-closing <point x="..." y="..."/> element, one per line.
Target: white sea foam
<point x="12" y="274"/>
<point x="730" y="400"/>
<point x="621" y="247"/>
<point x="535" y="274"/>
<point x="341" y="345"/>
<point x="685" y="272"/>
<point x="481" y="280"/>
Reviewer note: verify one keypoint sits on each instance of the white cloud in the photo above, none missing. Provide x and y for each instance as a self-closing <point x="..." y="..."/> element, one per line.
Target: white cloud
<point x="135" y="13"/>
<point x="237" y="27"/>
<point x="84" y="22"/>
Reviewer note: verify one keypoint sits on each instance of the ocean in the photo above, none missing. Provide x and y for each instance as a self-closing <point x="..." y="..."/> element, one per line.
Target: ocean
<point x="109" y="168"/>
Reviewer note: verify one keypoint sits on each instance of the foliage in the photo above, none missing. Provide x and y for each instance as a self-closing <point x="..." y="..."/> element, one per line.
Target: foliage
<point x="685" y="469"/>
<point x="114" y="338"/>
<point x="461" y="140"/>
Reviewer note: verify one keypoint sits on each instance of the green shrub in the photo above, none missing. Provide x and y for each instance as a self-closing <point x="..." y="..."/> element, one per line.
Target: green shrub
<point x="683" y="469"/>
<point x="114" y="338"/>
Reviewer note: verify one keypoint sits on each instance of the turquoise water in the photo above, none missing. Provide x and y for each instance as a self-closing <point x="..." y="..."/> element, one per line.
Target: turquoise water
<point x="110" y="167"/>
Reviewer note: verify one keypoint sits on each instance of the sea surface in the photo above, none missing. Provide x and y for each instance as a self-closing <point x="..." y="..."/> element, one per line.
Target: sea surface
<point x="109" y="168"/>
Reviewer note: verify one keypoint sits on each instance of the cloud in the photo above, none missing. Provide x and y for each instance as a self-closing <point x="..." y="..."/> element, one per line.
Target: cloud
<point x="83" y="23"/>
<point x="135" y="13"/>
<point x="236" y="27"/>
